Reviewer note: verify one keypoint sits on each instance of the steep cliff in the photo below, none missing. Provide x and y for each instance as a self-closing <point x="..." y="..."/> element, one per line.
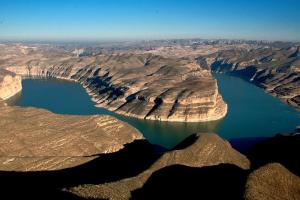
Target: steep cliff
<point x="35" y="139"/>
<point x="10" y="84"/>
<point x="277" y="70"/>
<point x="144" y="86"/>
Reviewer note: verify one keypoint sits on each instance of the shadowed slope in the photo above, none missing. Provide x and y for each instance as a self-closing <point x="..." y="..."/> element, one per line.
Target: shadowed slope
<point x="223" y="181"/>
<point x="206" y="150"/>
<point x="272" y="182"/>
<point x="282" y="149"/>
<point x="130" y="161"/>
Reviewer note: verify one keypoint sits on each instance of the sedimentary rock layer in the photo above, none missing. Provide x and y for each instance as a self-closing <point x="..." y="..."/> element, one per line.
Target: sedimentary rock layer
<point x="10" y="84"/>
<point x="206" y="150"/>
<point x="277" y="70"/>
<point x="144" y="86"/>
<point x="34" y="139"/>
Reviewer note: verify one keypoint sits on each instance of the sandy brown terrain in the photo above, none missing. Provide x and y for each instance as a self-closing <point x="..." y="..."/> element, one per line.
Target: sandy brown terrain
<point x="145" y="86"/>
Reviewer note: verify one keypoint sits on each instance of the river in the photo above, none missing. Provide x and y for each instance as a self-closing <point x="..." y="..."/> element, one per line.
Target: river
<point x="251" y="112"/>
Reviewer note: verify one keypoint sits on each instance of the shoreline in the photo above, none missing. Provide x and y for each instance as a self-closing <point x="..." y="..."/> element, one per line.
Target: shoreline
<point x="93" y="97"/>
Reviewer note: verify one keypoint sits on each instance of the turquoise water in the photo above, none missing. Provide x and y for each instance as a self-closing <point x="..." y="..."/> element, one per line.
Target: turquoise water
<point x="252" y="113"/>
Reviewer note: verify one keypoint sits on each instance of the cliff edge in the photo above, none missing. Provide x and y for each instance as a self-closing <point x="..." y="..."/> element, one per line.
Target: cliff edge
<point x="10" y="84"/>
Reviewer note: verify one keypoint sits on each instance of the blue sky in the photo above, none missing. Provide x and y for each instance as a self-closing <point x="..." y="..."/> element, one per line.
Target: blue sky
<point x="149" y="19"/>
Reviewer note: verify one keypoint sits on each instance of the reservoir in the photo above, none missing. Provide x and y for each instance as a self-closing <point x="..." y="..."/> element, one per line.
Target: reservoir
<point x="251" y="112"/>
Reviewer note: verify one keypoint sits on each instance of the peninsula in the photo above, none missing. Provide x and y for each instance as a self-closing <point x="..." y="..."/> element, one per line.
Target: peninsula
<point x="86" y="157"/>
<point x="141" y="85"/>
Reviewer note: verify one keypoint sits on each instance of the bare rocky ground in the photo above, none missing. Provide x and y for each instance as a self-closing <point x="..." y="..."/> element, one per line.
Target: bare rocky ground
<point x="272" y="181"/>
<point x="204" y="166"/>
<point x="141" y="85"/>
<point x="152" y="79"/>
<point x="49" y="156"/>
<point x="10" y="84"/>
<point x="274" y="69"/>
<point x="35" y="139"/>
<point x="204" y="150"/>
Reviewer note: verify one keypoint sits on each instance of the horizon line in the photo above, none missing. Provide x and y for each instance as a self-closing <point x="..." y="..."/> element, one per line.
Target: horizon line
<point x="81" y="40"/>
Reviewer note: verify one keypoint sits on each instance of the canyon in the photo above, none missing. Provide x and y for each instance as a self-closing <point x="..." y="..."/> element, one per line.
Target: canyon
<point x="152" y="80"/>
<point x="276" y="70"/>
<point x="143" y="86"/>
<point x="43" y="154"/>
<point x="35" y="139"/>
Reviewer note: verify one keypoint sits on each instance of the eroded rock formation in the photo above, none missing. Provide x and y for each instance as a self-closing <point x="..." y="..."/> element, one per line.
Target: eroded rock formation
<point x="152" y="87"/>
<point x="203" y="166"/>
<point x="140" y="85"/>
<point x="10" y="84"/>
<point x="35" y="139"/>
<point x="272" y="182"/>
<point x="277" y="70"/>
<point x="205" y="150"/>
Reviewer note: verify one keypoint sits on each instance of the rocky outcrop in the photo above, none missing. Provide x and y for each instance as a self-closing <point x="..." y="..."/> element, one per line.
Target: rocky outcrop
<point x="140" y="85"/>
<point x="277" y="70"/>
<point x="203" y="167"/>
<point x="205" y="150"/>
<point x="272" y="182"/>
<point x="76" y="151"/>
<point x="207" y="167"/>
<point x="10" y="84"/>
<point x="35" y="139"/>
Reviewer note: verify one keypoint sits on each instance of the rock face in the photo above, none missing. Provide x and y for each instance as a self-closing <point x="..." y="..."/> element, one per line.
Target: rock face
<point x="277" y="70"/>
<point x="272" y="182"/>
<point x="206" y="150"/>
<point x="10" y="84"/>
<point x="89" y="156"/>
<point x="35" y="139"/>
<point x="140" y="85"/>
